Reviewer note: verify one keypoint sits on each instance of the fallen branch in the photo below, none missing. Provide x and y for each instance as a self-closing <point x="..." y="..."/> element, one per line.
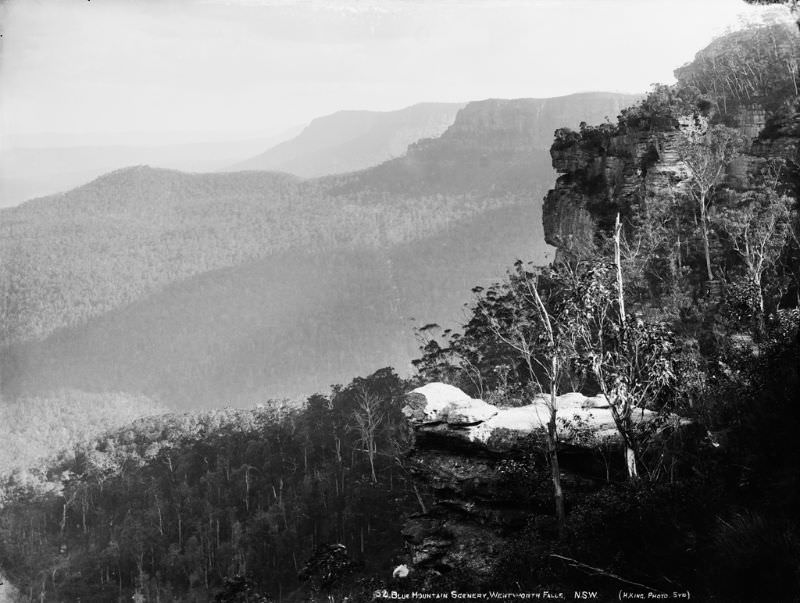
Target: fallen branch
<point x="419" y="498"/>
<point x="596" y="571"/>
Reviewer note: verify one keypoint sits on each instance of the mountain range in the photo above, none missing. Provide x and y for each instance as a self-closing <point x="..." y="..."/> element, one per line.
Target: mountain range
<point x="205" y="289"/>
<point x="347" y="141"/>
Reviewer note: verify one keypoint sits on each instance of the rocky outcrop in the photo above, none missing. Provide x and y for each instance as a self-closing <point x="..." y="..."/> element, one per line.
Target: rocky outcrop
<point x="484" y="466"/>
<point x="602" y="173"/>
<point x="443" y="412"/>
<point x="612" y="169"/>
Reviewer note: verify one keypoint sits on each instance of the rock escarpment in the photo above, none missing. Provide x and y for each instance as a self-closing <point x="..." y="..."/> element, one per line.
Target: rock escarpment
<point x="611" y="169"/>
<point x="602" y="174"/>
<point x="484" y="467"/>
<point x="495" y="148"/>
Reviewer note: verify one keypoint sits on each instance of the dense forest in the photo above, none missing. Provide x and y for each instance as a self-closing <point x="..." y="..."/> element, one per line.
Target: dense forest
<point x="65" y="262"/>
<point x="198" y="290"/>
<point x="678" y="293"/>
<point x="189" y="506"/>
<point x="283" y="326"/>
<point x="70" y="257"/>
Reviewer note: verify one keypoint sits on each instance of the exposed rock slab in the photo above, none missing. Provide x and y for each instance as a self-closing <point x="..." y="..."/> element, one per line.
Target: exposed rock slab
<point x="446" y="412"/>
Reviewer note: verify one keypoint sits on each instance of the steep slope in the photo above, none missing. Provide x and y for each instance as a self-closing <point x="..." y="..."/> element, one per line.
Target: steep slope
<point x="352" y="140"/>
<point x="286" y="325"/>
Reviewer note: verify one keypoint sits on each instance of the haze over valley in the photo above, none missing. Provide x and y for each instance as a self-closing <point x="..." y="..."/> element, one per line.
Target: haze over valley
<point x="320" y="301"/>
<point x="196" y="288"/>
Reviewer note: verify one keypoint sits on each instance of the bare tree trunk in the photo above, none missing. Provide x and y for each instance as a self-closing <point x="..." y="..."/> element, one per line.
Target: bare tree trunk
<point x="704" y="227"/>
<point x="372" y="452"/>
<point x="618" y="264"/>
<point x="552" y="430"/>
<point x="630" y="456"/>
<point x="555" y="470"/>
<point x="63" y="516"/>
<point x="630" y="461"/>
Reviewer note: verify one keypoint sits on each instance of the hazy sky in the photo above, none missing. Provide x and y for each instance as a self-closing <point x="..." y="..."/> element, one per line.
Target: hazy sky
<point x="89" y="71"/>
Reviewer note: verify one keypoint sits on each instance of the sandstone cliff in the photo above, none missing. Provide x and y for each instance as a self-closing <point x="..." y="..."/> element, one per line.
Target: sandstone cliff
<point x="615" y="167"/>
<point x="747" y="80"/>
<point x="495" y="148"/>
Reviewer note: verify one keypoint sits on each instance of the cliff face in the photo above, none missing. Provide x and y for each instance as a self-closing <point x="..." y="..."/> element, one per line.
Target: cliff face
<point x="530" y="122"/>
<point x="608" y="168"/>
<point x="780" y="137"/>
<point x="495" y="148"/>
<point x="600" y="177"/>
<point x="612" y="171"/>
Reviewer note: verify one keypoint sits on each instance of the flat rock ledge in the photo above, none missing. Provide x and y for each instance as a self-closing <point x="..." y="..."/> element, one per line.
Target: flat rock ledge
<point x="445" y="411"/>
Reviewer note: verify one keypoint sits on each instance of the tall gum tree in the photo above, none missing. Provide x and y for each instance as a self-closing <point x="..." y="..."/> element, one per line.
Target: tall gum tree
<point x="526" y="317"/>
<point x="758" y="227"/>
<point x="631" y="360"/>
<point x="706" y="152"/>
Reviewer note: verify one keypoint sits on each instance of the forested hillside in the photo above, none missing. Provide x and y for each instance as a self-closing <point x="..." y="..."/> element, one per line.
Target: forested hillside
<point x="189" y="507"/>
<point x="288" y="324"/>
<point x="95" y="274"/>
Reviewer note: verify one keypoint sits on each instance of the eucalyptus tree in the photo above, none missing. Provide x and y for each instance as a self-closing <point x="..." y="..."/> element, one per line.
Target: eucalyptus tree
<point x="630" y="359"/>
<point x="707" y="152"/>
<point x="758" y="225"/>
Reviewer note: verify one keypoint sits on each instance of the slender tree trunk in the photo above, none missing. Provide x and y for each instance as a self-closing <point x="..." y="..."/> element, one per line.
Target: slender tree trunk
<point x="624" y="425"/>
<point x="761" y="327"/>
<point x="555" y="470"/>
<point x="618" y="264"/>
<point x="630" y="450"/>
<point x="63" y="516"/>
<point x="372" y="463"/>
<point x="552" y="430"/>
<point x="704" y="227"/>
<point x="615" y="403"/>
<point x="630" y="462"/>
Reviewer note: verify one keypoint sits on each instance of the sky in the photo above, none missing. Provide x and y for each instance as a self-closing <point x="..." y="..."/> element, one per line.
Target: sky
<point x="167" y="71"/>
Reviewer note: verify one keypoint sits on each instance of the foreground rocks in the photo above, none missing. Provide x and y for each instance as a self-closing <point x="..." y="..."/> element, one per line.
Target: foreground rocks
<point x="444" y="412"/>
<point x="485" y="467"/>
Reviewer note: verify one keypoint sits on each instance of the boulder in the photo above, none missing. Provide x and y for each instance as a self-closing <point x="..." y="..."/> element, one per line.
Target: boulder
<point x="446" y="412"/>
<point x="442" y="403"/>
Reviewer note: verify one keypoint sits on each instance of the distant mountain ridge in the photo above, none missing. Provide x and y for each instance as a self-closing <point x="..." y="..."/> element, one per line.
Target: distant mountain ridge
<point x="347" y="141"/>
<point x="28" y="173"/>
<point x="77" y="265"/>
<point x="494" y="147"/>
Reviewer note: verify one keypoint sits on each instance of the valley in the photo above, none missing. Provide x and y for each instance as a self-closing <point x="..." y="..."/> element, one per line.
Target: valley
<point x="202" y="289"/>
